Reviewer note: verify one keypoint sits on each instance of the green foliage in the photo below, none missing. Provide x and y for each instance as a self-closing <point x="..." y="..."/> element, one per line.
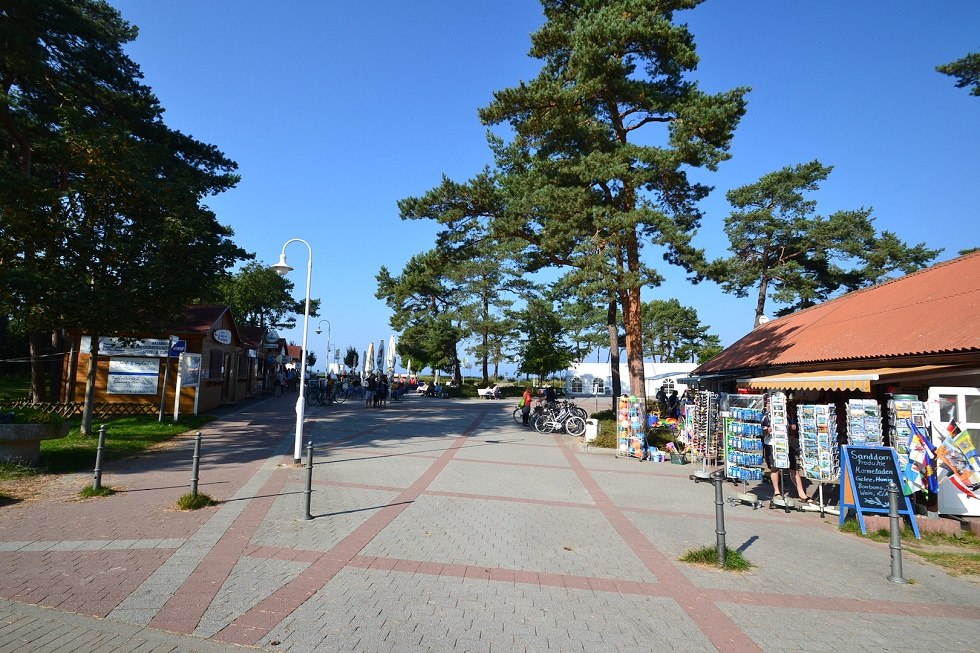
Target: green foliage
<point x="260" y="296"/>
<point x="789" y="254"/>
<point x="125" y="436"/>
<point x="14" y="387"/>
<point x="89" y="491"/>
<point x="708" y="555"/>
<point x="581" y="184"/>
<point x="966" y="71"/>
<point x="673" y="333"/>
<point x="543" y="350"/>
<point x="13" y="470"/>
<point x="27" y="415"/>
<point x="197" y="501"/>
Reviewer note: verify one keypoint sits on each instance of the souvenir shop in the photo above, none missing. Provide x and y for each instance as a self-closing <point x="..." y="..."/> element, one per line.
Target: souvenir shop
<point x="933" y="429"/>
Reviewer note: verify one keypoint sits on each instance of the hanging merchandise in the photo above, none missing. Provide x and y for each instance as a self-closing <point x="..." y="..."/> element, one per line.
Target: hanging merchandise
<point x="818" y="441"/>
<point x="864" y="423"/>
<point x="743" y="437"/>
<point x="906" y="412"/>
<point x="706" y="427"/>
<point x="629" y="431"/>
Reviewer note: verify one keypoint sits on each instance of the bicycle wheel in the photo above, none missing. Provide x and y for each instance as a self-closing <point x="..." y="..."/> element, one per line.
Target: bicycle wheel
<point x="517" y="415"/>
<point x="581" y="412"/>
<point x="340" y="396"/>
<point x="575" y="425"/>
<point x="544" y="423"/>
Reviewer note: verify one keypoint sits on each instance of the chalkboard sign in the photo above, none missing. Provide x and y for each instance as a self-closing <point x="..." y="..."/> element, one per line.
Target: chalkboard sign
<point x="865" y="475"/>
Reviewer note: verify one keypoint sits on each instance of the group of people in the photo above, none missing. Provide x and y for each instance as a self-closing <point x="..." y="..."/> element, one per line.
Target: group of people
<point x="285" y="381"/>
<point x="378" y="390"/>
<point x="670" y="404"/>
<point x="549" y="396"/>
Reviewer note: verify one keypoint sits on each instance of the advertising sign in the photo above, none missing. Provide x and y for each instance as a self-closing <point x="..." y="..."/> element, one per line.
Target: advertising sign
<point x="150" y="347"/>
<point x="190" y="369"/>
<point x="133" y="376"/>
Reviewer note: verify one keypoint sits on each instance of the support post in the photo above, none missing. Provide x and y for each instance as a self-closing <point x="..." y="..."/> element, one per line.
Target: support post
<point x="718" y="479"/>
<point x="97" y="483"/>
<point x="895" y="535"/>
<point x="309" y="480"/>
<point x="195" y="476"/>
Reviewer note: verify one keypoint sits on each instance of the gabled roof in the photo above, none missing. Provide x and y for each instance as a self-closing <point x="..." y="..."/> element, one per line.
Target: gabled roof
<point x="932" y="311"/>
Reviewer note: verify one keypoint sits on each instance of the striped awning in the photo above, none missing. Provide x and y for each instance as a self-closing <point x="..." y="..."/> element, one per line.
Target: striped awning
<point x="860" y="380"/>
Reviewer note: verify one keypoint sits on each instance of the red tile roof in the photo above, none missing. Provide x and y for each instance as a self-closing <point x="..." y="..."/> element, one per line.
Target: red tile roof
<point x="932" y="311"/>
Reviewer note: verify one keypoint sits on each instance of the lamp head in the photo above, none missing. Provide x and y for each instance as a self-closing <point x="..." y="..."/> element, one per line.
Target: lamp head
<point x="319" y="331"/>
<point x="282" y="268"/>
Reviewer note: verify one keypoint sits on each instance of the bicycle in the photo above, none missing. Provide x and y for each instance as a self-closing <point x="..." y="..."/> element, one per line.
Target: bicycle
<point x="559" y="419"/>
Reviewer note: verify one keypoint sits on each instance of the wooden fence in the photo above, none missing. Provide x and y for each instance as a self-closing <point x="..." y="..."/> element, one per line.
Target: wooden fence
<point x="101" y="410"/>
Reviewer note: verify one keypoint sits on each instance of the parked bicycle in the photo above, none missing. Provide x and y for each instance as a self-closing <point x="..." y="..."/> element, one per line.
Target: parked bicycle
<point x="559" y="418"/>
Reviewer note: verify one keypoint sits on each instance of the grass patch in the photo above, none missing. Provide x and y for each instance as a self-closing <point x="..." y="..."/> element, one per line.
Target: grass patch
<point x="125" y="436"/>
<point x="956" y="564"/>
<point x="958" y="554"/>
<point x="708" y="555"/>
<point x="195" y="501"/>
<point x="14" y="387"/>
<point x="13" y="470"/>
<point x="89" y="491"/>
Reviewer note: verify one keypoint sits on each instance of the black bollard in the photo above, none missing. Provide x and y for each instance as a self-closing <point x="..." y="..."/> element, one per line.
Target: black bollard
<point x="309" y="479"/>
<point x="195" y="476"/>
<point x="718" y="478"/>
<point x="97" y="483"/>
<point x="895" y="535"/>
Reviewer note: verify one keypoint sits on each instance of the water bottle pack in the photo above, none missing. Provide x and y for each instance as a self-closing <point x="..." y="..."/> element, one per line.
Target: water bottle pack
<point x="745" y="473"/>
<point x="745" y="459"/>
<point x="747" y="414"/>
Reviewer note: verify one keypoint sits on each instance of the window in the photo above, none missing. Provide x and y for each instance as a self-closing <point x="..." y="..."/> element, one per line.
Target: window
<point x="598" y="386"/>
<point x="577" y="385"/>
<point x="215" y="369"/>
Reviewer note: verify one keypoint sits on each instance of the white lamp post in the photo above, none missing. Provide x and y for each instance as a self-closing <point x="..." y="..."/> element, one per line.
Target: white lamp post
<point x="283" y="269"/>
<point x="326" y="361"/>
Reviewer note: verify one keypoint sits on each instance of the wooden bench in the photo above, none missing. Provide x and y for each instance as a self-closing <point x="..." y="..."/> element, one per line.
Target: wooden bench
<point x="487" y="393"/>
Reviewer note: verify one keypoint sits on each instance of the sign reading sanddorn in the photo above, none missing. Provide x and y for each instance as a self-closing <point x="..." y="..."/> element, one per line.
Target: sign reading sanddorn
<point x="865" y="474"/>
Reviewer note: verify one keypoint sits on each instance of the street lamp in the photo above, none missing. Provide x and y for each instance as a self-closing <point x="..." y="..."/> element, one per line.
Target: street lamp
<point x="326" y="361"/>
<point x="283" y="269"/>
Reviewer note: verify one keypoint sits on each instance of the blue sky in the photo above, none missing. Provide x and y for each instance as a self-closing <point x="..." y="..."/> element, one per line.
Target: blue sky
<point x="335" y="110"/>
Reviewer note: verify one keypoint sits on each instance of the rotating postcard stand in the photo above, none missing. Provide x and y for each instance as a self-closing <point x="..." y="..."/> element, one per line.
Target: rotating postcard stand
<point x="743" y="414"/>
<point x="819" y="452"/>
<point x="705" y="433"/>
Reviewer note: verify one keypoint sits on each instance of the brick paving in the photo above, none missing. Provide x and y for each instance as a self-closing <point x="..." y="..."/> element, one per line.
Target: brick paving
<point x="441" y="525"/>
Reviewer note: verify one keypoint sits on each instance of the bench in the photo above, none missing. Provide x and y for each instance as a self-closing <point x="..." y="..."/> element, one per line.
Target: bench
<point x="486" y="393"/>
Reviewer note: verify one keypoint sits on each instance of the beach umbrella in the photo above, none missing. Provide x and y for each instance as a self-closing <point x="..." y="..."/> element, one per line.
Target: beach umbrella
<point x="409" y="367"/>
<point x="391" y="354"/>
<point x="369" y="358"/>
<point x="437" y="377"/>
<point x="381" y="355"/>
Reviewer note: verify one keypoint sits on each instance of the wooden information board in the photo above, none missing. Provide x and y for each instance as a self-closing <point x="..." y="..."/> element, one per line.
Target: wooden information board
<point x="865" y="473"/>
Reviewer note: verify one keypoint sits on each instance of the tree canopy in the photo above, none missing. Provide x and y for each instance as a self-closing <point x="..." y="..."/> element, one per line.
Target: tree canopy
<point x="788" y="253"/>
<point x="260" y="296"/>
<point x="577" y="180"/>
<point x="103" y="223"/>
<point x="966" y="71"/>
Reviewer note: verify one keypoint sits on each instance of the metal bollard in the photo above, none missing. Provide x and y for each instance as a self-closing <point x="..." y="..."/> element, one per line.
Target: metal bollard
<point x="718" y="478"/>
<point x="309" y="479"/>
<point x="97" y="483"/>
<point x="895" y="535"/>
<point x="195" y="476"/>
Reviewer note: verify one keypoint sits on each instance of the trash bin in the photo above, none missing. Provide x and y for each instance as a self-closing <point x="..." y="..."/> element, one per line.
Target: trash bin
<point x="591" y="429"/>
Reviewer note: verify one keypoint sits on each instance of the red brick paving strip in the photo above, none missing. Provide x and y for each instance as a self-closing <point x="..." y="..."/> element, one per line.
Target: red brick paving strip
<point x="257" y="622"/>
